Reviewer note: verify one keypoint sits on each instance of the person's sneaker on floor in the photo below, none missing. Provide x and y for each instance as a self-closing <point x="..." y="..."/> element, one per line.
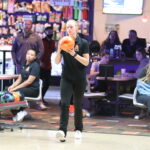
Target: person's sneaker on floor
<point x="60" y="135"/>
<point x="78" y="134"/>
<point x="20" y="116"/>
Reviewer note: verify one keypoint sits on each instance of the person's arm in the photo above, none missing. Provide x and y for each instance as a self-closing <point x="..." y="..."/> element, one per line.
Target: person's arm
<point x="84" y="58"/>
<point x="93" y="71"/>
<point x="103" y="47"/>
<point x="142" y="42"/>
<point x="40" y="47"/>
<point x="13" y="51"/>
<point x="58" y="55"/>
<point x="124" y="46"/>
<point x="53" y="46"/>
<point x="34" y="73"/>
<point x="26" y="83"/>
<point x="142" y="73"/>
<point x="17" y="82"/>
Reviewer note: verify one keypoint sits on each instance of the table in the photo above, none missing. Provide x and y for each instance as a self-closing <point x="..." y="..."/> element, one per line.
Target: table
<point x="7" y="77"/>
<point x="117" y="79"/>
<point x="4" y="49"/>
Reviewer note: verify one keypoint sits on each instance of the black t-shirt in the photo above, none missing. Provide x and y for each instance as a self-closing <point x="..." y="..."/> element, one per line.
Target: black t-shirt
<point x="31" y="69"/>
<point x="129" y="49"/>
<point x="71" y="68"/>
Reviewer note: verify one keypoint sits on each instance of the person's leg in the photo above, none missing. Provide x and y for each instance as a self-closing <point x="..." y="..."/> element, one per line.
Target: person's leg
<point x="71" y="107"/>
<point x="66" y="93"/>
<point x="45" y="76"/>
<point x="31" y="92"/>
<point x="21" y="113"/>
<point x="144" y="99"/>
<point x="79" y="90"/>
<point x="14" y="112"/>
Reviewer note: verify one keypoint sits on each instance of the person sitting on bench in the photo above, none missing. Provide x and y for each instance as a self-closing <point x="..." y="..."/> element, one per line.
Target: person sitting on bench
<point x="27" y="82"/>
<point x="94" y="71"/>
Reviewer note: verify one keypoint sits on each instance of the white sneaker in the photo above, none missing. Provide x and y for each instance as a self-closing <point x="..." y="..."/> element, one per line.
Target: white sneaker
<point x="78" y="134"/>
<point x="20" y="116"/>
<point x="60" y="135"/>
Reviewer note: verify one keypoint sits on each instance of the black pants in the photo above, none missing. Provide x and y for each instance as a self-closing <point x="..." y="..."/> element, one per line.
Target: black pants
<point x="69" y="88"/>
<point x="144" y="99"/>
<point x="27" y="92"/>
<point x="45" y="76"/>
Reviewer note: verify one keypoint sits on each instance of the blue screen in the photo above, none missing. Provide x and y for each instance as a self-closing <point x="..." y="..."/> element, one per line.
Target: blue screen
<point x="123" y="6"/>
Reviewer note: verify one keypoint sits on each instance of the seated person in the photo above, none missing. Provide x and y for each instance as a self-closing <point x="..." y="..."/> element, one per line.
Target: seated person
<point x="94" y="71"/>
<point x="27" y="82"/>
<point x="141" y="57"/>
<point x="94" y="48"/>
<point x="130" y="45"/>
<point x="143" y="87"/>
<point x="111" y="41"/>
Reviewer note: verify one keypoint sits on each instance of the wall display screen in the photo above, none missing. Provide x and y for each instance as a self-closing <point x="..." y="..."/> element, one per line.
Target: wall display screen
<point x="123" y="7"/>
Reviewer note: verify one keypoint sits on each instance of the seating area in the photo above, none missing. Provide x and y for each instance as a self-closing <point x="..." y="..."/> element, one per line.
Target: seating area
<point x="132" y="97"/>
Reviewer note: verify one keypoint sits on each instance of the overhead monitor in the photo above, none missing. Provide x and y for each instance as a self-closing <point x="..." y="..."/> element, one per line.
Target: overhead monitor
<point x="133" y="7"/>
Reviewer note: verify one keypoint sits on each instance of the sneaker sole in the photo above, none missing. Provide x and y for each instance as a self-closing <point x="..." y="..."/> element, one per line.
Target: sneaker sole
<point x="60" y="137"/>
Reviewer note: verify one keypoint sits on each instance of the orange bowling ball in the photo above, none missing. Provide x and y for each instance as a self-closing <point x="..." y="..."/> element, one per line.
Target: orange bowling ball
<point x="16" y="96"/>
<point x="67" y="43"/>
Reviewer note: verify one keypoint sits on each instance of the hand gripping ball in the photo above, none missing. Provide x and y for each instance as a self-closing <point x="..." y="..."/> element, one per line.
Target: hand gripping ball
<point x="67" y="43"/>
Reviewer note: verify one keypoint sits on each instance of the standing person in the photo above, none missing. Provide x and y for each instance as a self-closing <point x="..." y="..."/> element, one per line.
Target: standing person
<point x="73" y="80"/>
<point x="45" y="72"/>
<point x="27" y="82"/>
<point x="25" y="40"/>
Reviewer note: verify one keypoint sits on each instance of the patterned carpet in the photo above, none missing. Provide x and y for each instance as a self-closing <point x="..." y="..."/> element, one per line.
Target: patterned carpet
<point x="49" y="120"/>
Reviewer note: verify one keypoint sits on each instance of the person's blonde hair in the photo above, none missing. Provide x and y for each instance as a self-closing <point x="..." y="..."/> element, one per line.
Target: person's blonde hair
<point x="146" y="79"/>
<point x="71" y="21"/>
